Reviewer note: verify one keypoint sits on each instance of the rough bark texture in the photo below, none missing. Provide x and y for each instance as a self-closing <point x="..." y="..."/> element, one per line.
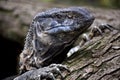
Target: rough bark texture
<point x="98" y="59"/>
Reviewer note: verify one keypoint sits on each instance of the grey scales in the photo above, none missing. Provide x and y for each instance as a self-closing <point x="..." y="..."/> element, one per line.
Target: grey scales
<point x="50" y="37"/>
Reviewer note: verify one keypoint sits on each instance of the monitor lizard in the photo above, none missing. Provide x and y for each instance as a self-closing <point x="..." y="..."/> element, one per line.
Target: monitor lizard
<point x="49" y="39"/>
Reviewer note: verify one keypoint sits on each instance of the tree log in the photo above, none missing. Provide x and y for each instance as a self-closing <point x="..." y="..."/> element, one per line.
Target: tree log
<point x="98" y="59"/>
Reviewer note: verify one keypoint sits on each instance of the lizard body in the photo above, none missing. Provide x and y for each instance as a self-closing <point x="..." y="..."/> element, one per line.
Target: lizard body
<point x="51" y="35"/>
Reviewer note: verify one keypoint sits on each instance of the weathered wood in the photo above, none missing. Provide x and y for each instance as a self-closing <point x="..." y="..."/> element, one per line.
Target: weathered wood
<point x="99" y="59"/>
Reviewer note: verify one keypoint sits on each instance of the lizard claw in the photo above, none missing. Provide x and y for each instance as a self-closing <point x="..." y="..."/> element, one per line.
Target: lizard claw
<point x="49" y="75"/>
<point x="106" y="26"/>
<point x="60" y="66"/>
<point x="49" y="72"/>
<point x="92" y="32"/>
<point x="101" y="28"/>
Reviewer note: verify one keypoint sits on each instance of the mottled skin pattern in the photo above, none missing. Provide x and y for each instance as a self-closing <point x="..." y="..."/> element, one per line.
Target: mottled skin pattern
<point x="51" y="35"/>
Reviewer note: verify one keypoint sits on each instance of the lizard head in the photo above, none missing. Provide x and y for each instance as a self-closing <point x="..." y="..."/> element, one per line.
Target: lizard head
<point x="63" y="23"/>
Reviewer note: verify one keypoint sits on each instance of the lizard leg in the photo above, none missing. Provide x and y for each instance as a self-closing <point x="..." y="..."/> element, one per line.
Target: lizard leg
<point x="92" y="32"/>
<point x="47" y="75"/>
<point x="55" y="70"/>
<point x="99" y="30"/>
<point x="85" y="38"/>
<point x="48" y="72"/>
<point x="60" y="66"/>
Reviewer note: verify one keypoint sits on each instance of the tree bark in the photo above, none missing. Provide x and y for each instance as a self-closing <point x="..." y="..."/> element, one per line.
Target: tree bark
<point x="98" y="59"/>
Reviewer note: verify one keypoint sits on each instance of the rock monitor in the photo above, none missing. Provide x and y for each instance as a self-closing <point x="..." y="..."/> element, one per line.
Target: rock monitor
<point x="49" y="39"/>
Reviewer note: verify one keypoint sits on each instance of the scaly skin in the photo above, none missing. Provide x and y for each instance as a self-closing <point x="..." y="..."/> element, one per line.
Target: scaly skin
<point x="50" y="37"/>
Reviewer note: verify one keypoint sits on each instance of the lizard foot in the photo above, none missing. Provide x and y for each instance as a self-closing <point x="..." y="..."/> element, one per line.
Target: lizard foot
<point x="96" y="30"/>
<point x="92" y="32"/>
<point x="49" y="72"/>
